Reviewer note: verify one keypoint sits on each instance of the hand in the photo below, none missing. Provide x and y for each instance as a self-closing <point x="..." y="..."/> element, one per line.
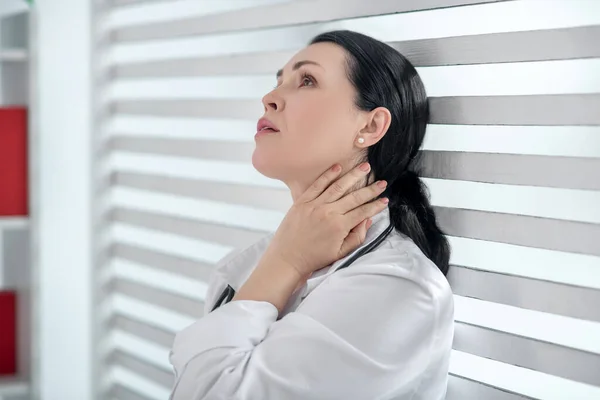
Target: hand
<point x="325" y="224"/>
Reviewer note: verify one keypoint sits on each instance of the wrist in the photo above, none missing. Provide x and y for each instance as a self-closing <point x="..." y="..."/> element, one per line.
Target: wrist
<point x="288" y="269"/>
<point x="273" y="280"/>
<point x="292" y="264"/>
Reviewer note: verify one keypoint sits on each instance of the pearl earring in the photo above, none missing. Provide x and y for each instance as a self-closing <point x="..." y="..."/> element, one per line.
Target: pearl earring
<point x="361" y="140"/>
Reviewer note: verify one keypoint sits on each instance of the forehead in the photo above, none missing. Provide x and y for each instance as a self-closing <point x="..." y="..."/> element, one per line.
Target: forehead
<point x="330" y="56"/>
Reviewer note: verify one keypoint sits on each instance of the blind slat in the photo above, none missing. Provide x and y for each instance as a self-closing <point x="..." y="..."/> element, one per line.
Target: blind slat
<point x="157" y="356"/>
<point x="581" y="109"/>
<point x="269" y="198"/>
<point x="189" y="168"/>
<point x="168" y="243"/>
<point x="144" y="331"/>
<point x="532" y="294"/>
<point x="547" y="265"/>
<point x="466" y="389"/>
<point x="518" y="380"/>
<point x="159" y="279"/>
<point x="185" y="266"/>
<point x="292" y="13"/>
<point x="206" y="149"/>
<point x="150" y="314"/>
<point x="160" y="298"/>
<point x="541" y="45"/>
<point x="563" y="109"/>
<point x="136" y="385"/>
<point x="121" y="392"/>
<point x="240" y="109"/>
<point x="544" y="233"/>
<point x="513" y="169"/>
<point x="212" y="232"/>
<point x="551" y="359"/>
<point x="142" y="368"/>
<point x="233" y="215"/>
<point x="568" y="332"/>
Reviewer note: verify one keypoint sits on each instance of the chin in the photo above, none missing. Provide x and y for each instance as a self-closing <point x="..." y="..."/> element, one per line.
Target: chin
<point x="265" y="165"/>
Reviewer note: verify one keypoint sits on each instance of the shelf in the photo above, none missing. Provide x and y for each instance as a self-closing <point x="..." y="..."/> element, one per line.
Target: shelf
<point x="12" y="7"/>
<point x="13" y="387"/>
<point x="13" y="55"/>
<point x="13" y="223"/>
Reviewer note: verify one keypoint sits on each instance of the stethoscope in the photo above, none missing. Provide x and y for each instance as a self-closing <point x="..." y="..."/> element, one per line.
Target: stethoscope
<point x="227" y="294"/>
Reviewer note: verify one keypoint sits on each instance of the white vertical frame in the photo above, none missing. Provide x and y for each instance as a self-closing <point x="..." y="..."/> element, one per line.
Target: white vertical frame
<point x="61" y="203"/>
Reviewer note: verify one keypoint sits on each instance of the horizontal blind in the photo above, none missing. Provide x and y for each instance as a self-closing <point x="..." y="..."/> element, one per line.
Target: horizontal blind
<point x="512" y="161"/>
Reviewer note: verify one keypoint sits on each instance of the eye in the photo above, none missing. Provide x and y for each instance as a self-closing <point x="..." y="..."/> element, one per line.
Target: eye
<point x="307" y="80"/>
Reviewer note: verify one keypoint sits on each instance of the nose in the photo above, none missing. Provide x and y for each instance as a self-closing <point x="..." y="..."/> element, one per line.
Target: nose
<point x="272" y="101"/>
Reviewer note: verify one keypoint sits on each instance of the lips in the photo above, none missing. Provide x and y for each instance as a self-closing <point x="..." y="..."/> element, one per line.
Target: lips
<point x="264" y="125"/>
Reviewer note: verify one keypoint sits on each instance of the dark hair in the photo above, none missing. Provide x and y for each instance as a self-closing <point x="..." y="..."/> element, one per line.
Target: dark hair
<point x="385" y="78"/>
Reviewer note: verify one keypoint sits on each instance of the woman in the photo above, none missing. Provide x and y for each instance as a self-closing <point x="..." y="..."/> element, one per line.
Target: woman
<point x="299" y="325"/>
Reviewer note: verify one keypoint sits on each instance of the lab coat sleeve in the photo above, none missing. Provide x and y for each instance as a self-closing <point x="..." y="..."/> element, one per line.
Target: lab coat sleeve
<point x="363" y="332"/>
<point x="216" y="283"/>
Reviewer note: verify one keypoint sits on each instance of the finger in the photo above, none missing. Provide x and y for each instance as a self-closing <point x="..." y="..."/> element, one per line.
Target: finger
<point x="359" y="197"/>
<point x="340" y="187"/>
<point x="355" y="238"/>
<point x="366" y="211"/>
<point x="321" y="184"/>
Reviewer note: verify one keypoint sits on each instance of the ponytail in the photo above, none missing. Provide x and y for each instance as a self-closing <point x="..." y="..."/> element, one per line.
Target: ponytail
<point x="412" y="215"/>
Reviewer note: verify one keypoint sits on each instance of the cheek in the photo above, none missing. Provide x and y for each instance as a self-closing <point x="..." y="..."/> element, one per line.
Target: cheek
<point x="319" y="124"/>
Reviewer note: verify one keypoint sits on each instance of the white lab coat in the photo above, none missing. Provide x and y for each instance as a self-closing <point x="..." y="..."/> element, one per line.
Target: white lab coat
<point x="380" y="329"/>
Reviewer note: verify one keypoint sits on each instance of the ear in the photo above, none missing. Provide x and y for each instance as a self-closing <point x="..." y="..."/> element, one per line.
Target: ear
<point x="376" y="124"/>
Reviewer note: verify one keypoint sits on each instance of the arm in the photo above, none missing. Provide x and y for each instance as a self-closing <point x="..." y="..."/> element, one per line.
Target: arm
<point x="273" y="281"/>
<point x="363" y="332"/>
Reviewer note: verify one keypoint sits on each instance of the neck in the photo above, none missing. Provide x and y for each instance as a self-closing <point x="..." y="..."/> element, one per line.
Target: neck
<point x="299" y="186"/>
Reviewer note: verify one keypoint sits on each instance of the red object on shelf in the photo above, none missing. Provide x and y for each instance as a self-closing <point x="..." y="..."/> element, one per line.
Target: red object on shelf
<point x="8" y="333"/>
<point x="13" y="161"/>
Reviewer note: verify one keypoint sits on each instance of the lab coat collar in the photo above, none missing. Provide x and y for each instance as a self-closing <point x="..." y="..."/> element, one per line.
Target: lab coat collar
<point x="380" y="222"/>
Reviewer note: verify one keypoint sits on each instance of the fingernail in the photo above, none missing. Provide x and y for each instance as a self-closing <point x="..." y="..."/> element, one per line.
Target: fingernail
<point x="369" y="223"/>
<point x="364" y="167"/>
<point x="385" y="200"/>
<point x="382" y="184"/>
<point x="336" y="168"/>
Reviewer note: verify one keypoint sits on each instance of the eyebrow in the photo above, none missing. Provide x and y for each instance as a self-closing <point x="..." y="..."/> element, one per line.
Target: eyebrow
<point x="298" y="65"/>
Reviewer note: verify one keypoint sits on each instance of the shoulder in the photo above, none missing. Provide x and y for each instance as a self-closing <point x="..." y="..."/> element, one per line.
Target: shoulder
<point x="392" y="304"/>
<point x="400" y="259"/>
<point x="400" y="279"/>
